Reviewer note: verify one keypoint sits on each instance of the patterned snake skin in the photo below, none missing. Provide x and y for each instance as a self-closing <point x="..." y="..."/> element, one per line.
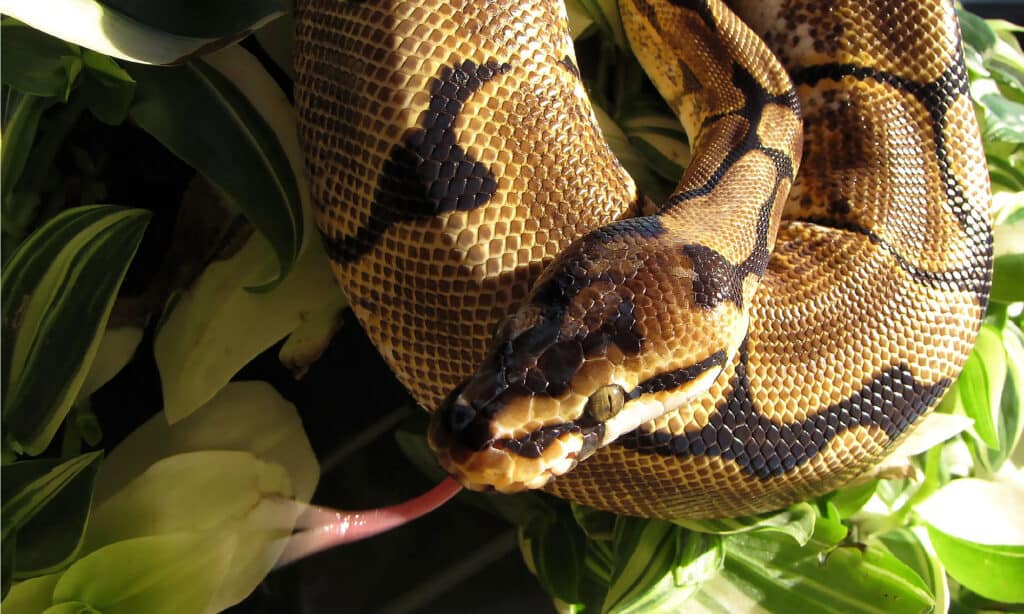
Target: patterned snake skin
<point x="763" y="338"/>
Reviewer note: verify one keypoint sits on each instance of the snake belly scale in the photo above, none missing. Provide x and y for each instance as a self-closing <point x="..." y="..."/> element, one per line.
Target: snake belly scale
<point x="801" y="301"/>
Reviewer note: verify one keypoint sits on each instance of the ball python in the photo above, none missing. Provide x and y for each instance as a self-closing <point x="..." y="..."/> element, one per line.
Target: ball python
<point x="800" y="302"/>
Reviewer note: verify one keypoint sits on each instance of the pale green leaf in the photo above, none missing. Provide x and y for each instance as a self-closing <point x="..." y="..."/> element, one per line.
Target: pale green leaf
<point x="604" y="14"/>
<point x="797" y="521"/>
<point x="92" y="25"/>
<point x="307" y="342"/>
<point x="1008" y="271"/>
<point x="216" y="326"/>
<point x="199" y="18"/>
<point x="981" y="384"/>
<point x="631" y="159"/>
<point x="31" y="596"/>
<point x="244" y="416"/>
<point x="182" y="493"/>
<point x="58" y="289"/>
<point x="244" y="496"/>
<point x="982" y="511"/>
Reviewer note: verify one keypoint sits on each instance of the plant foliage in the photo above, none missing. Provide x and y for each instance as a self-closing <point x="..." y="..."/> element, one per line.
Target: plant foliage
<point x="191" y="516"/>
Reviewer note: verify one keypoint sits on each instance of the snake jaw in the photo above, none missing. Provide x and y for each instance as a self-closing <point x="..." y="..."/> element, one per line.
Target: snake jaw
<point x="514" y="465"/>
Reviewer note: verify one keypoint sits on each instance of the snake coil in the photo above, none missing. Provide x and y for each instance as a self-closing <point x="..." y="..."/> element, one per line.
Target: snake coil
<point x="800" y="302"/>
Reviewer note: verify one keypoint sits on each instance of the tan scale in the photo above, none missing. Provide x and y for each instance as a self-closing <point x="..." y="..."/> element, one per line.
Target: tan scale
<point x="876" y="282"/>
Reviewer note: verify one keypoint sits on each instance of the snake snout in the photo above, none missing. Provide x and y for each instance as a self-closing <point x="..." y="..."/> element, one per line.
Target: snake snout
<point x="466" y="427"/>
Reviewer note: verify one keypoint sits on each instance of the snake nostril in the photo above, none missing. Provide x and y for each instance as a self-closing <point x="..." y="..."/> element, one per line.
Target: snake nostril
<point x="460" y="415"/>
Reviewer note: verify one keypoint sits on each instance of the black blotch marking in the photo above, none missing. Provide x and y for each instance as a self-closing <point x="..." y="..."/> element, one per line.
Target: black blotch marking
<point x="968" y="278"/>
<point x="671" y="380"/>
<point x="839" y="207"/>
<point x="716" y="280"/>
<point x="569" y="65"/>
<point x="936" y="97"/>
<point x="756" y="98"/>
<point x="428" y="173"/>
<point x="533" y="445"/>
<point x="892" y="401"/>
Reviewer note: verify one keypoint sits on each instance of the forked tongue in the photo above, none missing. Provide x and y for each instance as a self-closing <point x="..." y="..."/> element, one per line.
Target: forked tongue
<point x="320" y="528"/>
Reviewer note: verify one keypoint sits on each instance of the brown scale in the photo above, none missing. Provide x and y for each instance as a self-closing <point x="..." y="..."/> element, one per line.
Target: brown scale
<point x="867" y="308"/>
<point x="429" y="289"/>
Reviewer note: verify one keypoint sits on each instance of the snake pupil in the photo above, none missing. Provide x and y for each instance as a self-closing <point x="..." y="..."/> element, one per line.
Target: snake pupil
<point x="605" y="403"/>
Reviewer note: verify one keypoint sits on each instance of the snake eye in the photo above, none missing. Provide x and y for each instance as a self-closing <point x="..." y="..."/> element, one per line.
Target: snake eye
<point x="605" y="402"/>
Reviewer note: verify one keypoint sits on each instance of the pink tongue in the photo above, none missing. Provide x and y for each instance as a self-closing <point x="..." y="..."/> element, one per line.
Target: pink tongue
<point x="326" y="527"/>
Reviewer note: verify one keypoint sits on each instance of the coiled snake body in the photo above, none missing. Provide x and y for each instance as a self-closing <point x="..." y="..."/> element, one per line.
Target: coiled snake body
<point x="764" y="337"/>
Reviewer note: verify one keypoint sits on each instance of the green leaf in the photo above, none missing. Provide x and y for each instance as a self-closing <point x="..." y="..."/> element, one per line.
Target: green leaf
<point x="604" y="14"/>
<point x="699" y="558"/>
<point x="29" y="486"/>
<point x="71" y="607"/>
<point x="19" y="133"/>
<point x="46" y="503"/>
<point x="1004" y="118"/>
<point x="645" y="552"/>
<point x="797" y="521"/>
<point x="991" y="571"/>
<point x="199" y="18"/>
<point x="907" y="545"/>
<point x="633" y="161"/>
<point x="7" y="560"/>
<point x="850" y="499"/>
<point x="92" y="25"/>
<point x="553" y="548"/>
<point x="1011" y="412"/>
<point x="770" y="572"/>
<point x="1008" y="271"/>
<point x="659" y="137"/>
<point x="975" y="31"/>
<point x="981" y="384"/>
<point x="38" y="64"/>
<point x="58" y="289"/>
<point x="176" y="572"/>
<point x="597" y="525"/>
<point x="116" y="349"/>
<point x="223" y="136"/>
<point x="107" y="88"/>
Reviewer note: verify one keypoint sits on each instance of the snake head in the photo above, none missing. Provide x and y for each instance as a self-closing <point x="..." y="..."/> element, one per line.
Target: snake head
<point x="606" y="343"/>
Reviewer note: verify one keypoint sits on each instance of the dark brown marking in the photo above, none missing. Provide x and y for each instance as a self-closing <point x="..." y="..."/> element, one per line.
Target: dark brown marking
<point x="569" y="65"/>
<point x="737" y="431"/>
<point x="674" y="379"/>
<point x="935" y="96"/>
<point x="428" y="173"/>
<point x="716" y="280"/>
